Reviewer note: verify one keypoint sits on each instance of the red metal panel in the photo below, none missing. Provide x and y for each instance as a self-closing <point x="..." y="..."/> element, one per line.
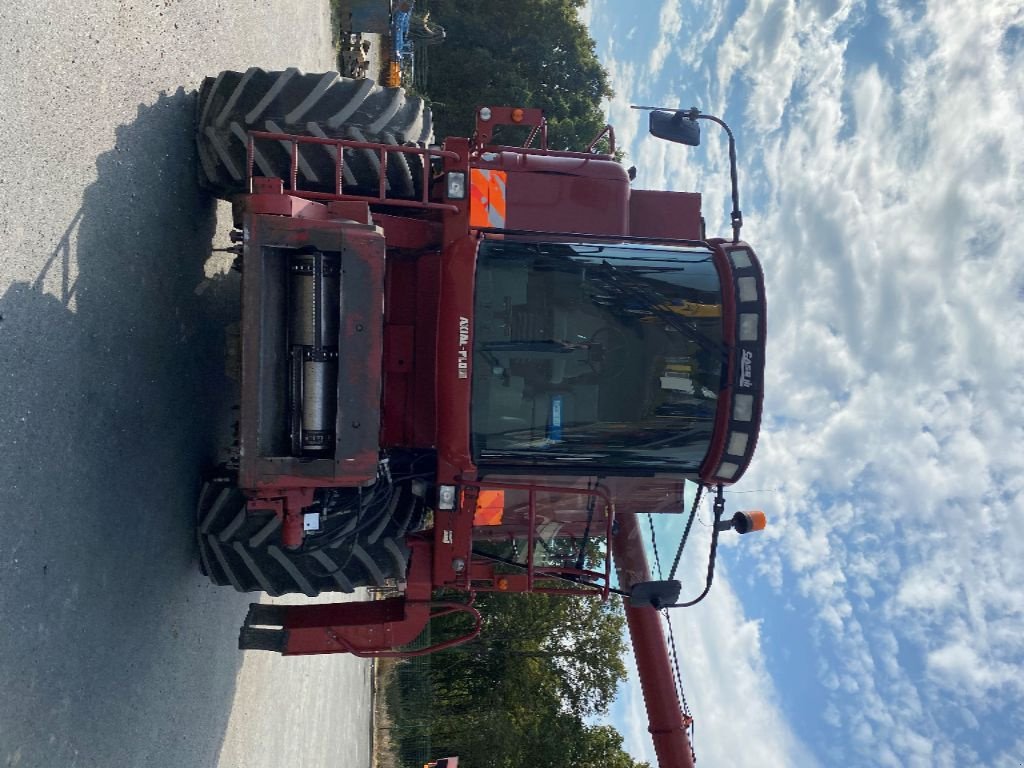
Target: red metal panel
<point x="579" y="193"/>
<point x="455" y="357"/>
<point x="395" y="428"/>
<point x="356" y="211"/>
<point x="422" y="406"/>
<point x="567" y="204"/>
<point x="673" y="215"/>
<point x="361" y="331"/>
<point x="398" y="348"/>
<point x="406" y="233"/>
<point x="457" y="273"/>
<point x="359" y="379"/>
<point x="345" y="614"/>
<point x="284" y="205"/>
<point x="410" y="338"/>
<point x="453" y="384"/>
<point x="399" y="368"/>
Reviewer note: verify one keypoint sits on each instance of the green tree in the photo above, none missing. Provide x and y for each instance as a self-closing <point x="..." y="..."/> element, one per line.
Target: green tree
<point x="530" y="53"/>
<point x="520" y="694"/>
<point x="600" y="747"/>
<point x="577" y="642"/>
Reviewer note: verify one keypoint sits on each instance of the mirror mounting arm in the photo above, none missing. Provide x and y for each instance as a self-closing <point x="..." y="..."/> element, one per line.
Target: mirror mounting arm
<point x="693" y="115"/>
<point x="737" y="214"/>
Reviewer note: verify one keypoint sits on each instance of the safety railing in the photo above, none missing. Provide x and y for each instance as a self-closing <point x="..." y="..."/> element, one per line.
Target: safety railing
<point x="608" y="132"/>
<point x="585" y="579"/>
<point x="382" y="152"/>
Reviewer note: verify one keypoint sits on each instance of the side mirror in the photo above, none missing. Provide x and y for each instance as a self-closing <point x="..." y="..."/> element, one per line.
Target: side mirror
<point x="680" y="127"/>
<point x="654" y="594"/>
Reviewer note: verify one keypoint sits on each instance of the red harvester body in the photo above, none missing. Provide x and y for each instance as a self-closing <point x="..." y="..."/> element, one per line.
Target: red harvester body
<point x="491" y="374"/>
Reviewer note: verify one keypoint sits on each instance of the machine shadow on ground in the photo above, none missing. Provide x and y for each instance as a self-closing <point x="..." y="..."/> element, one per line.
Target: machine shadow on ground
<point x="114" y="650"/>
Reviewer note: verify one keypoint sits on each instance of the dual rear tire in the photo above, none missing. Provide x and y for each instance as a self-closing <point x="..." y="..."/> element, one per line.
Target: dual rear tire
<point x="362" y="536"/>
<point x="361" y="542"/>
<point x="325" y="105"/>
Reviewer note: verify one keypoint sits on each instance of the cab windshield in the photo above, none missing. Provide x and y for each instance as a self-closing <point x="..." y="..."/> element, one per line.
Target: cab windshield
<point x="607" y="357"/>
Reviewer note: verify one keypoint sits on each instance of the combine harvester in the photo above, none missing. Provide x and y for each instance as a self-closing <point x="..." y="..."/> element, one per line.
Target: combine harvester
<point x="466" y="368"/>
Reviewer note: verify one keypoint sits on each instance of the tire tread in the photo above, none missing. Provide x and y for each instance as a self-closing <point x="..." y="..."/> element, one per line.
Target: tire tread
<point x="243" y="549"/>
<point x="317" y="104"/>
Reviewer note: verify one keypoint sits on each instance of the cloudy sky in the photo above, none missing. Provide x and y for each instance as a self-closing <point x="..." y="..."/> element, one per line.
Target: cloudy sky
<point x="880" y="620"/>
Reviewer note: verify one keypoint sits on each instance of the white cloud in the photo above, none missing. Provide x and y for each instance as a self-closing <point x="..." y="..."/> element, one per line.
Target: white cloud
<point x="888" y="214"/>
<point x="772" y="45"/>
<point x="620" y="114"/>
<point x="704" y="24"/>
<point x="586" y="12"/>
<point x="725" y="683"/>
<point x="896" y="369"/>
<point x="670" y="22"/>
<point x="958" y="666"/>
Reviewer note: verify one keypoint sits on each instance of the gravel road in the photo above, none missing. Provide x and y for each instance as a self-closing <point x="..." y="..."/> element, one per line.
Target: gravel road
<point x="114" y="651"/>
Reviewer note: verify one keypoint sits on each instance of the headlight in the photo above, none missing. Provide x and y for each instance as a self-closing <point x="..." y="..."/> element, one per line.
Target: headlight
<point x="740" y="258"/>
<point x="737" y="443"/>
<point x="727" y="470"/>
<point x="748" y="326"/>
<point x="748" y="289"/>
<point x="743" y="407"/>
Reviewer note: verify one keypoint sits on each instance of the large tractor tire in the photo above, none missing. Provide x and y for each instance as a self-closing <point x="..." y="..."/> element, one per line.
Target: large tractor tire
<point x="360" y="544"/>
<point x="325" y="105"/>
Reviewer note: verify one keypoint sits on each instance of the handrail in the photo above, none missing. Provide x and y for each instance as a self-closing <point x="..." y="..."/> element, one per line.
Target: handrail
<point x="543" y="128"/>
<point x="532" y="570"/>
<point x="382" y="150"/>
<point x="608" y="131"/>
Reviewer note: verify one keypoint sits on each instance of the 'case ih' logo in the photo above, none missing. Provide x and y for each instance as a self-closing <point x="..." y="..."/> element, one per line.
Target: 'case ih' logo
<point x="463" y="347"/>
<point x="747" y="369"/>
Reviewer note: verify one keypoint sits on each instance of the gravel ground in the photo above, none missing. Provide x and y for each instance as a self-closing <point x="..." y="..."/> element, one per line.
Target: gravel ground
<point x="114" y="651"/>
